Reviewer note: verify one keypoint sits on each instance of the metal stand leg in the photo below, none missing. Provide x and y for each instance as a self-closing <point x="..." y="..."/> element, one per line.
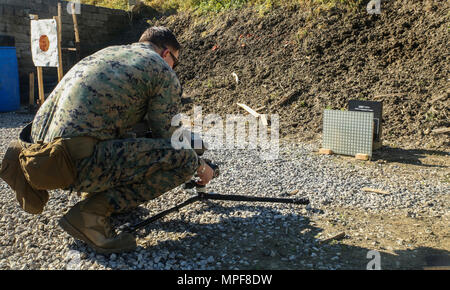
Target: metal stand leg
<point x="205" y="196"/>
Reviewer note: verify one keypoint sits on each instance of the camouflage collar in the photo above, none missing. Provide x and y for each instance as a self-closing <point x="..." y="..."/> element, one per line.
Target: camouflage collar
<point x="147" y="45"/>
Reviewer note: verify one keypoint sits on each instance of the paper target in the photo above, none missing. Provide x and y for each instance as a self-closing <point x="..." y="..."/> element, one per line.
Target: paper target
<point x="44" y="43"/>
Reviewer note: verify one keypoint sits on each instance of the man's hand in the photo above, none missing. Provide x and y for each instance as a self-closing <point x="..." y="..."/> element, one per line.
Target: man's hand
<point x="205" y="173"/>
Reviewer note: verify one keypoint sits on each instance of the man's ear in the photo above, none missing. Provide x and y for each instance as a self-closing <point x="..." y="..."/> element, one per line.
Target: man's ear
<point x="165" y="52"/>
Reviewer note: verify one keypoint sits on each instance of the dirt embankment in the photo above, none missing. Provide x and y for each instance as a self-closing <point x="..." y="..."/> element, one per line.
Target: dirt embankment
<point x="296" y="62"/>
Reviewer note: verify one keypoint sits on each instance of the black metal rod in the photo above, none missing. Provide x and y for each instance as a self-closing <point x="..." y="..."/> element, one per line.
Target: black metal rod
<point x="162" y="214"/>
<point x="205" y="196"/>
<point x="254" y="198"/>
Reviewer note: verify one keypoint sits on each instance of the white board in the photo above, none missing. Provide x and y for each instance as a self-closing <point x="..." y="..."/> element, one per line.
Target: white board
<point x="348" y="132"/>
<point x="44" y="43"/>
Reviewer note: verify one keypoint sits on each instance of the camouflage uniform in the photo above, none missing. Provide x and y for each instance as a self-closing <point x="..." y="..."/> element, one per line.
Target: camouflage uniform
<point x="105" y="96"/>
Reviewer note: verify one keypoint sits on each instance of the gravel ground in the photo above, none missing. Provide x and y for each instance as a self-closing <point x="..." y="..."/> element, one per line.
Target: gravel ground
<point x="228" y="235"/>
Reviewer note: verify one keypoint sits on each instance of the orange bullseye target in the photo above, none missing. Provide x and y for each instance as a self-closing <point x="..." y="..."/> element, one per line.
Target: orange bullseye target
<point x="44" y="43"/>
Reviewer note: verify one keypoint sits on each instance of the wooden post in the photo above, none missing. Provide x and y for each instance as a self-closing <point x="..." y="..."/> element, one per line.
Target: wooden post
<point x="60" y="67"/>
<point x="39" y="74"/>
<point x="59" y="12"/>
<point x="58" y="24"/>
<point x="59" y="21"/>
<point x="77" y="34"/>
<point x="40" y="85"/>
<point x="31" y="96"/>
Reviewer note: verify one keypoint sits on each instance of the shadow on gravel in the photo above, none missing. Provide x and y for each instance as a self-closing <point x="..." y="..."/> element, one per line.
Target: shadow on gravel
<point x="256" y="241"/>
<point x="408" y="156"/>
<point x="422" y="258"/>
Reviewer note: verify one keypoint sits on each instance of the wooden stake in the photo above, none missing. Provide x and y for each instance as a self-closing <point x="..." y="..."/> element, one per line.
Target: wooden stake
<point x="442" y="130"/>
<point x="31" y="96"/>
<point x="39" y="73"/>
<point x="335" y="237"/>
<point x="379" y="191"/>
<point x="77" y="34"/>
<point x="60" y="66"/>
<point x="59" y="10"/>
<point x="40" y="85"/>
<point x="260" y="108"/>
<point x="254" y="114"/>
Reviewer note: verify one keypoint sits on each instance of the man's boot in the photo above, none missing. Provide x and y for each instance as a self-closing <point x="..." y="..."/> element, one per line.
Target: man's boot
<point x="85" y="195"/>
<point x="88" y="221"/>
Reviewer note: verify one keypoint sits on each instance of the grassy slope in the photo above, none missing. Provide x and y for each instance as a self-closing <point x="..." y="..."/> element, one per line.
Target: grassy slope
<point x="217" y="5"/>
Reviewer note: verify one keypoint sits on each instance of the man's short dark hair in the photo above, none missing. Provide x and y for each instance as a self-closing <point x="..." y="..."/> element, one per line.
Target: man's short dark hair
<point x="161" y="37"/>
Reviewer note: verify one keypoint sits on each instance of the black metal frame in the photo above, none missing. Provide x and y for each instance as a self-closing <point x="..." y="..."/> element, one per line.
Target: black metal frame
<point x="202" y="196"/>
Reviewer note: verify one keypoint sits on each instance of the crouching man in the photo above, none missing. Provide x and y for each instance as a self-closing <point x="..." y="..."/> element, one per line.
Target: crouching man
<point x="80" y="140"/>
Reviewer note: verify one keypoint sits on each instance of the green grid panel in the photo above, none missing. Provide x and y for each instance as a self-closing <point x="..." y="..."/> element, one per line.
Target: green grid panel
<point x="348" y="132"/>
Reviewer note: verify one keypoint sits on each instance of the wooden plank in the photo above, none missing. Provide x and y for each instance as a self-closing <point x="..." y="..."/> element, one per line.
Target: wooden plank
<point x="379" y="191"/>
<point x="260" y="108"/>
<point x="325" y="151"/>
<point x="364" y="157"/>
<point x="31" y="96"/>
<point x="441" y="130"/>
<point x="335" y="237"/>
<point x="248" y="109"/>
<point x="287" y="98"/>
<point x="254" y="114"/>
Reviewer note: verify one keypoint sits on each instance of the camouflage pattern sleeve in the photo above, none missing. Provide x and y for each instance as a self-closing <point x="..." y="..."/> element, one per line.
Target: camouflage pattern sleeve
<point x="107" y="94"/>
<point x="164" y="105"/>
